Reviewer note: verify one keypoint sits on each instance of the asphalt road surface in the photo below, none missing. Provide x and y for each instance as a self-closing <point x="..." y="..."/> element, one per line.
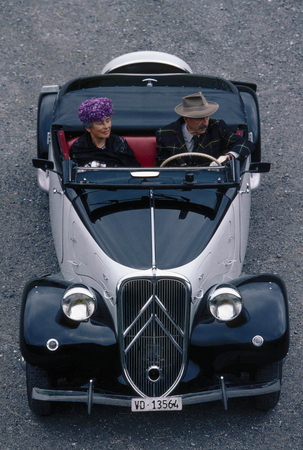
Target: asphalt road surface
<point x="49" y="42"/>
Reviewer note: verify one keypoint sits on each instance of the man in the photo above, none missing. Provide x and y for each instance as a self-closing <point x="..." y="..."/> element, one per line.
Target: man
<point x="194" y="131"/>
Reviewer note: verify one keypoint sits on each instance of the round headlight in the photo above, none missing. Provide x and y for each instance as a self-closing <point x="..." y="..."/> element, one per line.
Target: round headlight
<point x="78" y="302"/>
<point x="225" y="302"/>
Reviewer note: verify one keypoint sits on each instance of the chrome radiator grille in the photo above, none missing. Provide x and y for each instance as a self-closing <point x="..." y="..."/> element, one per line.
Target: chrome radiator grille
<point x="154" y="317"/>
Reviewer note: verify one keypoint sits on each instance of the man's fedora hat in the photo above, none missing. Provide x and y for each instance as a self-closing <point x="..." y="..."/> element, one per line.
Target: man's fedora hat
<point x="196" y="106"/>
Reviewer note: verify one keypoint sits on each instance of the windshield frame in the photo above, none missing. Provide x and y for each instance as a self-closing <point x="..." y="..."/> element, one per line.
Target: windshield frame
<point x="216" y="177"/>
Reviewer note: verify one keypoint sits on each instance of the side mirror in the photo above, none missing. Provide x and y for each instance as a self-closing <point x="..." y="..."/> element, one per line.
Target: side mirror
<point x="259" y="167"/>
<point x="43" y="164"/>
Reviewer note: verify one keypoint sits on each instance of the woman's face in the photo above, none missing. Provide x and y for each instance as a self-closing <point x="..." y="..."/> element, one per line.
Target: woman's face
<point x="100" y="129"/>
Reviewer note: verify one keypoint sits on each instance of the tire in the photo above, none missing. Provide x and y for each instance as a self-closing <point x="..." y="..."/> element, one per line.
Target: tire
<point x="38" y="377"/>
<point x="263" y="374"/>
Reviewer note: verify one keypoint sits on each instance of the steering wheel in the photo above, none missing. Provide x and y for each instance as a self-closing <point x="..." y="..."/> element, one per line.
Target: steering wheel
<point x="180" y="155"/>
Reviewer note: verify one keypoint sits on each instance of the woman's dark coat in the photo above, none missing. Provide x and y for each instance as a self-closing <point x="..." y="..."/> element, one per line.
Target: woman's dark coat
<point x="117" y="152"/>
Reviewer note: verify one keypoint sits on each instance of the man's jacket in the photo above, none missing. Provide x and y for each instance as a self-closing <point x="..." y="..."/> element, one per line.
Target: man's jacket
<point x="217" y="140"/>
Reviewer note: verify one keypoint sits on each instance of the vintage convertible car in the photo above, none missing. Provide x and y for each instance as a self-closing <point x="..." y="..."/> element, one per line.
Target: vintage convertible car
<point x="150" y="309"/>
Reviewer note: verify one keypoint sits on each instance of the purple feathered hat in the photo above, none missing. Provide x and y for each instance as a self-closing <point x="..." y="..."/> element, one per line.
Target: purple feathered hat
<point x="96" y="108"/>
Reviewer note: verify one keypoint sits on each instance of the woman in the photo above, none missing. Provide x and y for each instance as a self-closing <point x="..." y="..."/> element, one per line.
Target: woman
<point x="98" y="147"/>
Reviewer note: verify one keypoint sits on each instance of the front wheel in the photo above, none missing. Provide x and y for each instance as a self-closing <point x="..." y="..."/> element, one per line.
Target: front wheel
<point x="263" y="374"/>
<point x="38" y="377"/>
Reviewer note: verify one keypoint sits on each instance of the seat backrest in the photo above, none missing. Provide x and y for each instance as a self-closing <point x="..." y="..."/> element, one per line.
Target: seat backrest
<point x="144" y="148"/>
<point x="71" y="141"/>
<point x="65" y="146"/>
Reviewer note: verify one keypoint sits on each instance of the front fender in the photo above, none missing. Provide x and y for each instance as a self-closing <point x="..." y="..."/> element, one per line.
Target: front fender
<point x="42" y="319"/>
<point x="265" y="313"/>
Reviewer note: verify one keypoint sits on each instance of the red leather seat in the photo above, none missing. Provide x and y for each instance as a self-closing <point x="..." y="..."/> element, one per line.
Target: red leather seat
<point x="71" y="141"/>
<point x="144" y="148"/>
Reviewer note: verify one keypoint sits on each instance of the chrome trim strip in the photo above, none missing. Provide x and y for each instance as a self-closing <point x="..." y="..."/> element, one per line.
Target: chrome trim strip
<point x="152" y="228"/>
<point x="126" y="331"/>
<point x="90" y="396"/>
<point x="187" y="399"/>
<point x="145" y="174"/>
<point x="224" y="394"/>
<point x="134" y="340"/>
<point x="169" y="317"/>
<point x="170" y="337"/>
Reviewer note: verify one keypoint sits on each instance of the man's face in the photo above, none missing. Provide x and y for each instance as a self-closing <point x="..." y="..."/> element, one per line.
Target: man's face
<point x="100" y="129"/>
<point x="197" y="126"/>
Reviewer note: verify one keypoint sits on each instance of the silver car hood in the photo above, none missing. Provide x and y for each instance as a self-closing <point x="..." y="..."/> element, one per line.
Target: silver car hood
<point x="147" y="228"/>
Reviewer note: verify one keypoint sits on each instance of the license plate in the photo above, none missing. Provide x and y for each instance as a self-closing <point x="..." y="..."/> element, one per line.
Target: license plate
<point x="156" y="404"/>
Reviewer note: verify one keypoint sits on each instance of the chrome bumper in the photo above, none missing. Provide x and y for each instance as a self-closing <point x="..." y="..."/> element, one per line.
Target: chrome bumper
<point x="91" y="397"/>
